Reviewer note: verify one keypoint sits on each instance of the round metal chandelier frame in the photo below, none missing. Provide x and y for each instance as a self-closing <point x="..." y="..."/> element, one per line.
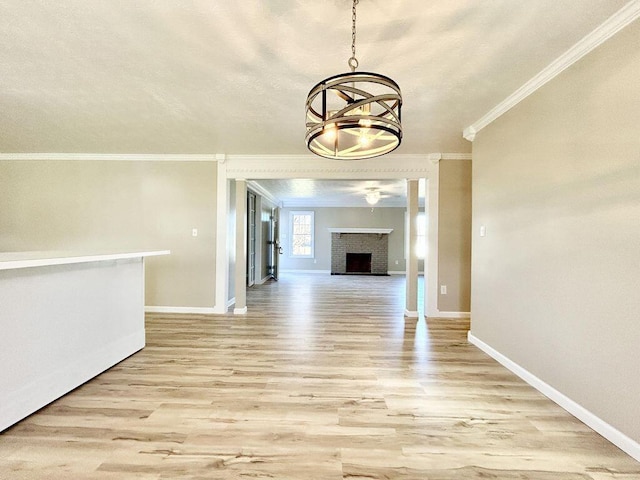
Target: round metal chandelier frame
<point x="353" y="116"/>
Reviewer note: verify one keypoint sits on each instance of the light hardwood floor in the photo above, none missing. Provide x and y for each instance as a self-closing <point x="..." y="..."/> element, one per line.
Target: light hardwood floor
<point x="322" y="379"/>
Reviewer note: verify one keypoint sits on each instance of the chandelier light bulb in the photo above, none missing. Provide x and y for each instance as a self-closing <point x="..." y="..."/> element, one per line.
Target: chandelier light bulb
<point x="329" y="133"/>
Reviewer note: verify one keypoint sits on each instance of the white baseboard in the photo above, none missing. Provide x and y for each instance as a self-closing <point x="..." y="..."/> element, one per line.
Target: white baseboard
<point x="325" y="272"/>
<point x="612" y="434"/>
<point x="411" y="314"/>
<point x="240" y="311"/>
<point x="197" y="310"/>
<point x="264" y="280"/>
<point x="403" y="272"/>
<point x="389" y="272"/>
<point x="439" y="314"/>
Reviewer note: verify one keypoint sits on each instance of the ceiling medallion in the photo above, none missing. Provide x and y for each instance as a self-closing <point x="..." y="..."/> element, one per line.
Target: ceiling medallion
<point x="353" y="116"/>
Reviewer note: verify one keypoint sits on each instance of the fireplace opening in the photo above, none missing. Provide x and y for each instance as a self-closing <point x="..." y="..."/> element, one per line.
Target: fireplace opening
<point x="358" y="263"/>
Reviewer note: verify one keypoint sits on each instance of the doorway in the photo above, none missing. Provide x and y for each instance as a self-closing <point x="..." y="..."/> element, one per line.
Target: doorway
<point x="274" y="250"/>
<point x="251" y="239"/>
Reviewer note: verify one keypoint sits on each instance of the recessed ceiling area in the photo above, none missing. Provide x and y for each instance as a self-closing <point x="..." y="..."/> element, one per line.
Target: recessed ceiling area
<point x="338" y="193"/>
<point x="206" y="77"/>
<point x="335" y="193"/>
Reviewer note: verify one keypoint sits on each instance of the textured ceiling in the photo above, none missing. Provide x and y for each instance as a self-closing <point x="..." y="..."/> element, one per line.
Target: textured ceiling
<point x="218" y="76"/>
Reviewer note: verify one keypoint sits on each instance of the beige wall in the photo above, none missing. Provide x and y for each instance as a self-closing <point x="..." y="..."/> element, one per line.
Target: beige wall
<point x="556" y="182"/>
<point x="454" y="235"/>
<point x="343" y="217"/>
<point x="119" y="205"/>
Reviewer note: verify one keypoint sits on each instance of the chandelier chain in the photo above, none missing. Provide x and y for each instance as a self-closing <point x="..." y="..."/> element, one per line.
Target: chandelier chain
<point x="353" y="61"/>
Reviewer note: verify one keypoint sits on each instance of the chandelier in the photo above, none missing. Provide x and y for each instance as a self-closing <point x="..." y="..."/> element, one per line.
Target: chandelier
<point x="352" y="116"/>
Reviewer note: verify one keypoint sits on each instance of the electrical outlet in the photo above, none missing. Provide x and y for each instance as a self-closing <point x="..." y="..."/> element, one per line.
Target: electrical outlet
<point x="483" y="230"/>
<point x="397" y="262"/>
<point x="194" y="232"/>
<point x="443" y="289"/>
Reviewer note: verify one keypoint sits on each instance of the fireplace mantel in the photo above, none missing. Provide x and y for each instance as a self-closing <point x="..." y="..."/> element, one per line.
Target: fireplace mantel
<point x="380" y="231"/>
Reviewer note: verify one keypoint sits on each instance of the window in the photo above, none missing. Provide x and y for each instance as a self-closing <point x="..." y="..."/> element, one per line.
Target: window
<point x="301" y="229"/>
<point x="421" y="247"/>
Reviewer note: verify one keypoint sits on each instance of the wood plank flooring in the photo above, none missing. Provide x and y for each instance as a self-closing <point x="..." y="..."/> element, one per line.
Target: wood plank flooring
<point x="322" y="379"/>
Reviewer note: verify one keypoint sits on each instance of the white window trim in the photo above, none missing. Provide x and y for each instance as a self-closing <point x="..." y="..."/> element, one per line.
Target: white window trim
<point x="313" y="233"/>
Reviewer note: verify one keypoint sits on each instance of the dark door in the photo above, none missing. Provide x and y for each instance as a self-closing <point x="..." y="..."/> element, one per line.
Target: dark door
<point x="275" y="249"/>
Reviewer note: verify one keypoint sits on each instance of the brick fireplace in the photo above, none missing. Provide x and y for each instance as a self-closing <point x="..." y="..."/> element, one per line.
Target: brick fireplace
<point x="359" y="251"/>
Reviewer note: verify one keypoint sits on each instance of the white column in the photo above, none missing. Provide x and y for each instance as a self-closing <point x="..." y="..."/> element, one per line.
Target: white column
<point x="431" y="267"/>
<point x="260" y="240"/>
<point x="411" y="309"/>
<point x="241" y="247"/>
<point x="222" y="260"/>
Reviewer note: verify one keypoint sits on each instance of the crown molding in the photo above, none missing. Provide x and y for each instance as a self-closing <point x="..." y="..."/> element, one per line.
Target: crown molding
<point x="456" y="156"/>
<point x="615" y="23"/>
<point x="315" y="160"/>
<point x="435" y="158"/>
<point x="415" y="157"/>
<point x="310" y="166"/>
<point x="469" y="133"/>
<point x="323" y="203"/>
<point x="260" y="190"/>
<point x="262" y="160"/>
<point x="274" y="172"/>
<point x="128" y="157"/>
